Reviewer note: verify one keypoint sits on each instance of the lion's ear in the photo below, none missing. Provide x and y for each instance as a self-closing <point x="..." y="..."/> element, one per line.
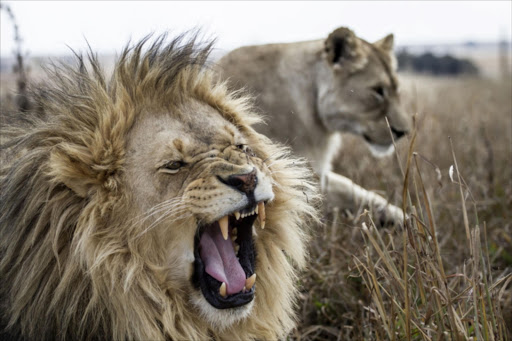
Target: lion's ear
<point x="343" y="47"/>
<point x="387" y="43"/>
<point x="68" y="169"/>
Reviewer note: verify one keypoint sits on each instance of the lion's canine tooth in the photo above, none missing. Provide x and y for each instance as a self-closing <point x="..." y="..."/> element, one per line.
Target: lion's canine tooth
<point x="249" y="282"/>
<point x="223" y="223"/>
<point x="222" y="290"/>
<point x="237" y="215"/>
<point x="261" y="215"/>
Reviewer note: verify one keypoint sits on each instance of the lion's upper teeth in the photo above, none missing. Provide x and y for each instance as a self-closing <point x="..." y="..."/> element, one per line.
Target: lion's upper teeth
<point x="249" y="282"/>
<point x="222" y="290"/>
<point x="224" y="227"/>
<point x="237" y="215"/>
<point x="261" y="214"/>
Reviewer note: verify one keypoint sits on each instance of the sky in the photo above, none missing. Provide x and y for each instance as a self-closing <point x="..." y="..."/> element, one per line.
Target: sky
<point x="52" y="27"/>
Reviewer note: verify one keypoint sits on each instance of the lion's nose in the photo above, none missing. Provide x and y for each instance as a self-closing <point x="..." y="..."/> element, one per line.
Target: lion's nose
<point x="245" y="183"/>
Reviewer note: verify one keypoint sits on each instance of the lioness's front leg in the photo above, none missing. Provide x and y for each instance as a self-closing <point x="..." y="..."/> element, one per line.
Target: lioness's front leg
<point x="342" y="190"/>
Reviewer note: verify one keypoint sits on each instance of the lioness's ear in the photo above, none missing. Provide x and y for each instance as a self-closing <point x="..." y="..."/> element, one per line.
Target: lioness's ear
<point x="386" y="43"/>
<point x="342" y="46"/>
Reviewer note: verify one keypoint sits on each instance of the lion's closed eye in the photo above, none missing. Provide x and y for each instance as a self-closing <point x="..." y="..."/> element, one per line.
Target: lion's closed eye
<point x="172" y="167"/>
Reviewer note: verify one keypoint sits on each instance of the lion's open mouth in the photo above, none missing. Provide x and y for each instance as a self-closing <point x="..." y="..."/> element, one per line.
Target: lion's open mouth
<point x="224" y="258"/>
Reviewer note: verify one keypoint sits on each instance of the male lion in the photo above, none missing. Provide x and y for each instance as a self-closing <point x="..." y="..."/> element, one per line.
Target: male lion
<point x="312" y="91"/>
<point x="143" y="205"/>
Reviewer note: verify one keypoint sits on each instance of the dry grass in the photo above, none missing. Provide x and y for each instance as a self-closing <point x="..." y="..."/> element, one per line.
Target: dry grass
<point x="447" y="274"/>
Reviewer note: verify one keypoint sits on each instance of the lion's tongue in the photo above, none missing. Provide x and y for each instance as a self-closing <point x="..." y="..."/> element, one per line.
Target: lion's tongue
<point x="220" y="260"/>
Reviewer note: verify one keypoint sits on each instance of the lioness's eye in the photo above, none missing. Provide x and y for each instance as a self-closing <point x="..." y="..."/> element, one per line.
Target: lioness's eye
<point x="172" y="167"/>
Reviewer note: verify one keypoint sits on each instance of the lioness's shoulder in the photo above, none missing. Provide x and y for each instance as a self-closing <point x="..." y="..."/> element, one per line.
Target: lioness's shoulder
<point x="261" y="54"/>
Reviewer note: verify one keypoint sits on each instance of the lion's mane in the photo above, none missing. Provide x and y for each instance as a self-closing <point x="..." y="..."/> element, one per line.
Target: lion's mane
<point x="70" y="267"/>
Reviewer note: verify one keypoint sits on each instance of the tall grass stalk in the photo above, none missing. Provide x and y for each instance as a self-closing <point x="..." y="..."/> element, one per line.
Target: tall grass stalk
<point x="423" y="301"/>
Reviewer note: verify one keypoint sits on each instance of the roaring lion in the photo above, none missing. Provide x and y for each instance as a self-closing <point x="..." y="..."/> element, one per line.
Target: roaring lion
<point x="144" y="206"/>
<point x="312" y="91"/>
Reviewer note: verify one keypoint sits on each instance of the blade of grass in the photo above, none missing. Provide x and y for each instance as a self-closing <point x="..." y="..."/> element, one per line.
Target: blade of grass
<point x="437" y="252"/>
<point x="463" y="201"/>
<point x="375" y="289"/>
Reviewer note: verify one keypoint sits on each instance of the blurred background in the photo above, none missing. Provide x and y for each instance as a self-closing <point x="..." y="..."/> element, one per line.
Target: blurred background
<point x="478" y="30"/>
<point x="455" y="74"/>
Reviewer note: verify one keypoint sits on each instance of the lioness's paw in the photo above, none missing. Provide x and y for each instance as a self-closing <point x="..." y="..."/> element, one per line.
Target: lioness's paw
<point x="389" y="215"/>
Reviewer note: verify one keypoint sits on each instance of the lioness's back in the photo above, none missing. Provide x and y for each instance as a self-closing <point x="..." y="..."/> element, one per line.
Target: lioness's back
<point x="273" y="73"/>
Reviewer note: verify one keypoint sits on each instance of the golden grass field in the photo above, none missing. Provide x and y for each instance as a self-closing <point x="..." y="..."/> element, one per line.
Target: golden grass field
<point x="447" y="274"/>
<point x="452" y="264"/>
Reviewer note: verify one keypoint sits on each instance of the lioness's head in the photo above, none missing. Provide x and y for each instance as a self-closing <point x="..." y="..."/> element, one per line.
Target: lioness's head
<point x="143" y="205"/>
<point x="358" y="89"/>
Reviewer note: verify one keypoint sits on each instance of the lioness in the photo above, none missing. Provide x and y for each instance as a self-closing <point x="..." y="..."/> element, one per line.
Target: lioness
<point x="312" y="91"/>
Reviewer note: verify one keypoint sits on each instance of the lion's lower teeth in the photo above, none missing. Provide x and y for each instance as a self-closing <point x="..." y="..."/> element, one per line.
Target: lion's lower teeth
<point x="249" y="282"/>
<point x="222" y="290"/>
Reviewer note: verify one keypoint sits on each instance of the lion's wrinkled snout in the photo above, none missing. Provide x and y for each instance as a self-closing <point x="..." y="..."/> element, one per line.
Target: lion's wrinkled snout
<point x="245" y="183"/>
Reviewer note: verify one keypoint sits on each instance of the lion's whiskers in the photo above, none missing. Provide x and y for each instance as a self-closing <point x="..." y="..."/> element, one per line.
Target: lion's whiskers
<point x="153" y="210"/>
<point x="168" y="210"/>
